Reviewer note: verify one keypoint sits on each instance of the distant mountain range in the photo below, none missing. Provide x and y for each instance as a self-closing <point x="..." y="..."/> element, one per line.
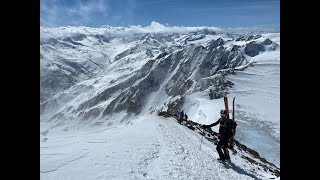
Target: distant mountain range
<point x="93" y="73"/>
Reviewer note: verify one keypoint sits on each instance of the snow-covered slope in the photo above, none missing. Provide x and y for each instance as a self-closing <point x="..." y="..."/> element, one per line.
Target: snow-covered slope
<point x="148" y="147"/>
<point x="108" y="76"/>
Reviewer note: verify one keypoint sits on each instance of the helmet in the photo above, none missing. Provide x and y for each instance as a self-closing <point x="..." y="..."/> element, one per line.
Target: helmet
<point x="223" y="112"/>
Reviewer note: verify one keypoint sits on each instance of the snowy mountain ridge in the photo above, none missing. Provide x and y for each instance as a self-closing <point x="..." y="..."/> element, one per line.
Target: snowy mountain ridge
<point x="96" y="66"/>
<point x="112" y="79"/>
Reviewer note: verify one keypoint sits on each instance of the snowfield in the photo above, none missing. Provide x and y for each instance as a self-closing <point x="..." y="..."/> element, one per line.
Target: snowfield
<point x="148" y="147"/>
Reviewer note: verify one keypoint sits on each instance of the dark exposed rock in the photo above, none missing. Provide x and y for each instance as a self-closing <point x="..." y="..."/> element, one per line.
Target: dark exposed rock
<point x="253" y="48"/>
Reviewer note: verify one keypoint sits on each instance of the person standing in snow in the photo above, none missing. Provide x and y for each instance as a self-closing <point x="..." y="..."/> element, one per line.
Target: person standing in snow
<point x="223" y="135"/>
<point x="181" y="115"/>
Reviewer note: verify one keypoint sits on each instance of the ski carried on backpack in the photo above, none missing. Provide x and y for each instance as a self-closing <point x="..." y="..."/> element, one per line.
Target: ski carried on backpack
<point x="225" y="99"/>
<point x="235" y="125"/>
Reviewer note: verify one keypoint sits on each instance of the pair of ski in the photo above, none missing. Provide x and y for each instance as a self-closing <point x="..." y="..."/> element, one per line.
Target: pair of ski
<point x="226" y="106"/>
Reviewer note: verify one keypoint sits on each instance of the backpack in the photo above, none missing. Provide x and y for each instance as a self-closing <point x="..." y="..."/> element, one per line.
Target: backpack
<point x="233" y="127"/>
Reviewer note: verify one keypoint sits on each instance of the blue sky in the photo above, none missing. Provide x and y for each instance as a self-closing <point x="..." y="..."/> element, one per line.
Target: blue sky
<point x="218" y="13"/>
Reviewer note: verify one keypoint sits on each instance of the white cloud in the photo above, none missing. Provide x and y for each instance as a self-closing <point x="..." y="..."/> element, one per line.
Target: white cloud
<point x="85" y="10"/>
<point x="154" y="27"/>
<point x="257" y="29"/>
<point x="53" y="13"/>
<point x="49" y="13"/>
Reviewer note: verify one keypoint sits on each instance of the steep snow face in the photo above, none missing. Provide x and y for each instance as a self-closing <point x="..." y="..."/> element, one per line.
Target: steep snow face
<point x="66" y="61"/>
<point x="258" y="95"/>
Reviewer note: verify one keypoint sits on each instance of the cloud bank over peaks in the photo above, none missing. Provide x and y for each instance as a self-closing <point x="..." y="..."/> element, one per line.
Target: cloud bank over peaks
<point x="154" y="27"/>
